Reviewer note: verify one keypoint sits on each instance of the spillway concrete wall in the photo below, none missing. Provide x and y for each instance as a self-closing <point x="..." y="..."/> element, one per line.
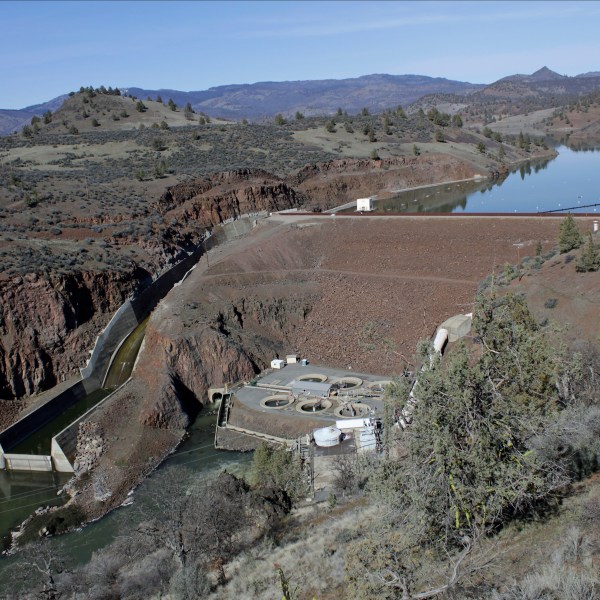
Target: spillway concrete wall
<point x="54" y="404"/>
<point x="123" y="322"/>
<point x="28" y="462"/>
<point x="132" y="312"/>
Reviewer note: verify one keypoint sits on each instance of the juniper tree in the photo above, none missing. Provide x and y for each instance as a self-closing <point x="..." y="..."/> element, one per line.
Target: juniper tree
<point x="471" y="455"/>
<point x="569" y="236"/>
<point x="280" y="469"/>
<point x="589" y="259"/>
<point x="457" y="120"/>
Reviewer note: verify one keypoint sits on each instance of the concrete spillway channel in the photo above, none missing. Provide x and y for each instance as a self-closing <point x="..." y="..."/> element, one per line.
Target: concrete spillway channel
<point x="32" y="481"/>
<point x="29" y="448"/>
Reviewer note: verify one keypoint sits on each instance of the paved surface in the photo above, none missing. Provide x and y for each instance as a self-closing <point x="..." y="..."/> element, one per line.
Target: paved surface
<point x="252" y="396"/>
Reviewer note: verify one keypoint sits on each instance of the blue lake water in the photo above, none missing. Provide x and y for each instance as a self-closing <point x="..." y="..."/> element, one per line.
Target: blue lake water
<point x="571" y="180"/>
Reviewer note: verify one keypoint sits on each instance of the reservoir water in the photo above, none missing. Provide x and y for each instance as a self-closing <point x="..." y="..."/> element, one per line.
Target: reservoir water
<point x="569" y="181"/>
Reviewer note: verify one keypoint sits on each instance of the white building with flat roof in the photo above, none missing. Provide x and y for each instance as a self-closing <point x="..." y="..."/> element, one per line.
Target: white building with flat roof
<point x="364" y="204"/>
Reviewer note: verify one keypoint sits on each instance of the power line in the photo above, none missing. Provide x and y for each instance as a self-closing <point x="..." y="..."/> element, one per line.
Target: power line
<point x="544" y="212"/>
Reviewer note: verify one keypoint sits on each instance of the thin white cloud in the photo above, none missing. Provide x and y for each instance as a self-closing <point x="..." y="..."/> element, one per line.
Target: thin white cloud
<point x="314" y="27"/>
<point x="489" y="67"/>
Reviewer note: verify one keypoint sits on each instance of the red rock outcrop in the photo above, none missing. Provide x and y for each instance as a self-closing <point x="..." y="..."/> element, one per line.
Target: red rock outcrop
<point x="209" y="346"/>
<point x="211" y="200"/>
<point x="48" y="324"/>
<point x="335" y="182"/>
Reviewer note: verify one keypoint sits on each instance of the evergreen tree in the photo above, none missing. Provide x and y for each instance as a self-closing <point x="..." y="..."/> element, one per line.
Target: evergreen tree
<point x="280" y="469"/>
<point x="471" y="459"/>
<point x="589" y="259"/>
<point x="188" y="111"/>
<point x="457" y="120"/>
<point x="569" y="236"/>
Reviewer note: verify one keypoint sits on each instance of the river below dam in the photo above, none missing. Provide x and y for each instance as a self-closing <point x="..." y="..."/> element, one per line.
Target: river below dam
<point x="196" y="460"/>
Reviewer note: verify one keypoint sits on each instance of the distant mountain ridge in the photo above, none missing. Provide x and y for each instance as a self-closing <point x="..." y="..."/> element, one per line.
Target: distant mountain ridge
<point x="543" y="74"/>
<point x="376" y="92"/>
<point x="311" y="97"/>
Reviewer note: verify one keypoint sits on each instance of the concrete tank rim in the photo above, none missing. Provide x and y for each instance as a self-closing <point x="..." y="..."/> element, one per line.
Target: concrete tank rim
<point x="311" y="376"/>
<point x="357" y="381"/>
<point x="362" y="410"/>
<point x="288" y="397"/>
<point x="326" y="404"/>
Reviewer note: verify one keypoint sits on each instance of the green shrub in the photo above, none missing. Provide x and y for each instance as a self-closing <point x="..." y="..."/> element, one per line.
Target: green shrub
<point x="569" y="236"/>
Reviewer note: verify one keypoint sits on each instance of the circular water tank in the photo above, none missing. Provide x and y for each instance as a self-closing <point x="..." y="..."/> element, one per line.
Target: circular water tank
<point x="327" y="436"/>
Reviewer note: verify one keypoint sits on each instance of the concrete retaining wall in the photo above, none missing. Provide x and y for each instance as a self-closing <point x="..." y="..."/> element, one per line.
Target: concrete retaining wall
<point x="123" y="322"/>
<point x="53" y="406"/>
<point x="28" y="462"/>
<point x="61" y="463"/>
<point x="129" y="316"/>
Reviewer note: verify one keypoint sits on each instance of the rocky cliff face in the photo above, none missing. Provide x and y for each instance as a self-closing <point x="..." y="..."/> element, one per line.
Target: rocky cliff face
<point x="336" y="182"/>
<point x="208" y="201"/>
<point x="48" y="324"/>
<point x="208" y="346"/>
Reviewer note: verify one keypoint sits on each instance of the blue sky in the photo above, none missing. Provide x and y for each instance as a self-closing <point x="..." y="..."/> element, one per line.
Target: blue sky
<point x="50" y="48"/>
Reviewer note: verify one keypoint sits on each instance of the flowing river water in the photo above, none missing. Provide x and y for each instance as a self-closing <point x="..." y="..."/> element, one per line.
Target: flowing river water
<point x="570" y="180"/>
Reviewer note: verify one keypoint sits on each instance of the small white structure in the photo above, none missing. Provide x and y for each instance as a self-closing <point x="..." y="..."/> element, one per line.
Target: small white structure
<point x="291" y="359"/>
<point x="327" y="436"/>
<point x="353" y="423"/>
<point x="364" y="204"/>
<point x="441" y="337"/>
<point x="277" y="363"/>
<point x="595" y="228"/>
<point x="367" y="439"/>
